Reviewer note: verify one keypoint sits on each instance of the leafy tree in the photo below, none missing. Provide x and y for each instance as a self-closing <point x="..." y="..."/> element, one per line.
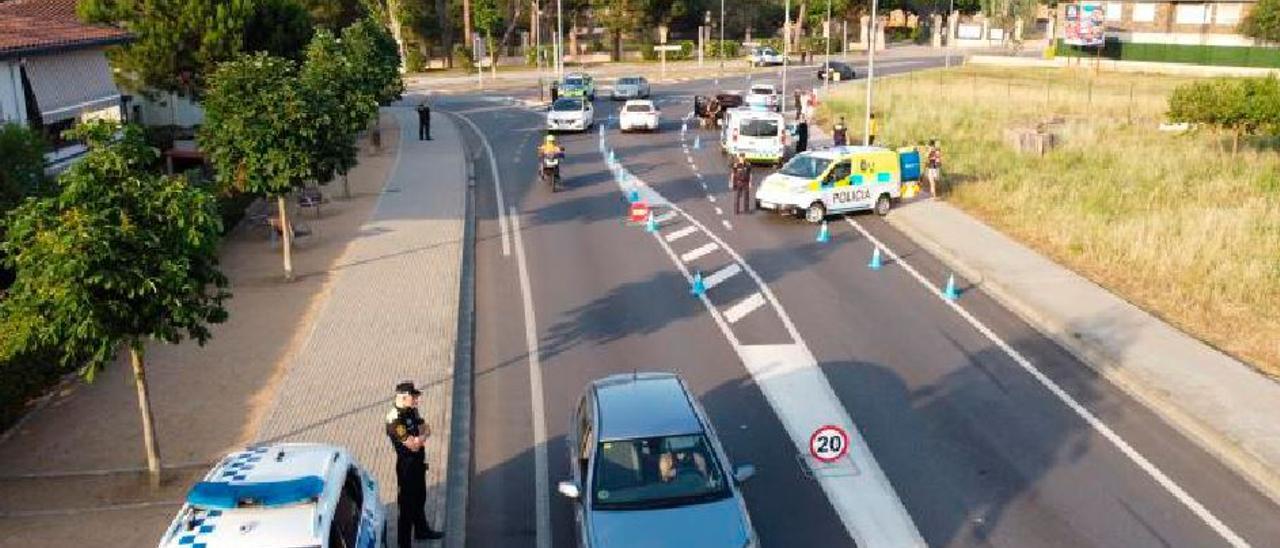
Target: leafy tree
<point x="260" y="132"/>
<point x="372" y="51"/>
<point x="335" y="15"/>
<point x="342" y="105"/>
<point x="178" y="43"/>
<point x="22" y="171"/>
<point x="1238" y="106"/>
<point x="119" y="257"/>
<point x="1263" y="21"/>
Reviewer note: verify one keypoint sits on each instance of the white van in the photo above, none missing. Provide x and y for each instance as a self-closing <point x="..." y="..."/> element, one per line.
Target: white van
<point x="760" y="134"/>
<point x="838" y="180"/>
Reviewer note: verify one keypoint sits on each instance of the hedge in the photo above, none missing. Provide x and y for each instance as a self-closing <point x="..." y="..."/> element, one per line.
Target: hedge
<point x="1229" y="56"/>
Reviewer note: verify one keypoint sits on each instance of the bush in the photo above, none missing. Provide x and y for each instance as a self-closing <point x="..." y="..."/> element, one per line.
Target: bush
<point x="462" y="56"/>
<point x="1231" y="56"/>
<point x="414" y="60"/>
<point x="729" y="47"/>
<point x="531" y="55"/>
<point x="1239" y="106"/>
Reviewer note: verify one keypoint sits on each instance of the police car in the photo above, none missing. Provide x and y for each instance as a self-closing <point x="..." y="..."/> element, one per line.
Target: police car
<point x="837" y="180"/>
<point x="283" y="495"/>
<point x="757" y="132"/>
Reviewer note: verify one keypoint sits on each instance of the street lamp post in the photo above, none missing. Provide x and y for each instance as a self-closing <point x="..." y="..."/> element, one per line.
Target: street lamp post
<point x="826" y="38"/>
<point x="786" y="55"/>
<point x="947" y="24"/>
<point x="559" y="42"/>
<point x="871" y="73"/>
<point x="720" y="46"/>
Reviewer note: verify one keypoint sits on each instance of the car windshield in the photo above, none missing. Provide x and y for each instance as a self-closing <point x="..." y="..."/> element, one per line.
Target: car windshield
<point x="639" y="108"/>
<point x="574" y="82"/>
<point x="805" y="166"/>
<point x="759" y="127"/>
<point x="567" y="105"/>
<point x="657" y="472"/>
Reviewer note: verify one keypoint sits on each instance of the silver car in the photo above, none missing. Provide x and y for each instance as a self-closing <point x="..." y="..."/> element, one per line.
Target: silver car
<point x="631" y="87"/>
<point x="649" y="471"/>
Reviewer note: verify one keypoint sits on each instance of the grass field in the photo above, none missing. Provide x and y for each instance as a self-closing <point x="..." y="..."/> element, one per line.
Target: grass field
<point x="1168" y="221"/>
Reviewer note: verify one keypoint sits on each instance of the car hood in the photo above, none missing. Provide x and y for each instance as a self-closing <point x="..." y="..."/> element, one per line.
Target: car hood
<point x="714" y="524"/>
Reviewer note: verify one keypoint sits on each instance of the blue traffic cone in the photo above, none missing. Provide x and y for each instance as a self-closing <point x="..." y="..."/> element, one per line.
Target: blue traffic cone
<point x="875" y="263"/>
<point x="651" y="225"/>
<point x="699" y="288"/>
<point x="634" y="195"/>
<point x="697" y="142"/>
<point x="824" y="234"/>
<point x="950" y="293"/>
<point x="613" y="158"/>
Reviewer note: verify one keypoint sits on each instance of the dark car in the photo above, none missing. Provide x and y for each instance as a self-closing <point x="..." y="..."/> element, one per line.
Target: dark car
<point x="838" y="71"/>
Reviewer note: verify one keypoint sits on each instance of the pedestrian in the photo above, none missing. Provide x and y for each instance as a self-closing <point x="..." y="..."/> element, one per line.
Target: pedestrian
<point x="802" y="136"/>
<point x="840" y="133"/>
<point x="799" y="104"/>
<point x="740" y="180"/>
<point x="933" y="167"/>
<point x="873" y="127"/>
<point x="555" y="91"/>
<point x="424" y="121"/>
<point x="408" y="433"/>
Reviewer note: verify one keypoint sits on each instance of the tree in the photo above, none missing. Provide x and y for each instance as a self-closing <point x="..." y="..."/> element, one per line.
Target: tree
<point x="1263" y="21"/>
<point x="342" y="106"/>
<point x="1239" y="106"/>
<point x="336" y="15"/>
<point x="119" y="257"/>
<point x="373" y="53"/>
<point x="178" y="43"/>
<point x="259" y="132"/>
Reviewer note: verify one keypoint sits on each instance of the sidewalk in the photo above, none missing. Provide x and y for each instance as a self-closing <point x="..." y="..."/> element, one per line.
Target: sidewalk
<point x="391" y="315"/>
<point x="1227" y="407"/>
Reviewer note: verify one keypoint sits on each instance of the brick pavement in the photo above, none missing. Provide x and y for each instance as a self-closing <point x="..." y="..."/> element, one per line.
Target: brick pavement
<point x="391" y="315"/>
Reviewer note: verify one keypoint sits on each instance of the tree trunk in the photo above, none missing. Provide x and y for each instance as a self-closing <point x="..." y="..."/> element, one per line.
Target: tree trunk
<point x="286" y="238"/>
<point x="513" y="20"/>
<point x="446" y="31"/>
<point x="617" y="45"/>
<point x="1235" y="142"/>
<point x="136" y="356"/>
<point x="466" y="26"/>
<point x="346" y="187"/>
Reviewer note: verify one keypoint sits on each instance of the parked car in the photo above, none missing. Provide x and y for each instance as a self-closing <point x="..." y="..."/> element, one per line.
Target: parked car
<point x="631" y="87"/>
<point x="288" y="494"/>
<point x="648" y="469"/>
<point x="577" y="84"/>
<point x="765" y="56"/>
<point x="765" y="96"/>
<point x="838" y="71"/>
<point x="639" y="114"/>
<point x="570" y="114"/>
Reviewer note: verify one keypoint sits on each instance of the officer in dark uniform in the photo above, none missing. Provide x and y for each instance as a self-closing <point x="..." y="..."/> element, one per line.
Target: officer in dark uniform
<point x="424" y="122"/>
<point x="408" y="434"/>
<point x="840" y="135"/>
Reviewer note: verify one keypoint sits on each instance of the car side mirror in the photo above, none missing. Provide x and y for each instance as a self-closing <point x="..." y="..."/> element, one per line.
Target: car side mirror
<point x="569" y="489"/>
<point x="743" y="473"/>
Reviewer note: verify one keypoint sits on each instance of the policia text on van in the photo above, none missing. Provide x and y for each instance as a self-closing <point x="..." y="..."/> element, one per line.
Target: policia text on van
<point x="837" y="180"/>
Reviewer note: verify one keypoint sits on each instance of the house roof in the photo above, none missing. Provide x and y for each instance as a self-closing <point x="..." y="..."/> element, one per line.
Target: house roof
<point x="30" y="27"/>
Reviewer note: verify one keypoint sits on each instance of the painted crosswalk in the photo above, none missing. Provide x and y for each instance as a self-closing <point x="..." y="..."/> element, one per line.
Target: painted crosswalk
<point x="699" y="252"/>
<point x="673" y="236"/>
<point x="721" y="275"/>
<point x="743" y="307"/>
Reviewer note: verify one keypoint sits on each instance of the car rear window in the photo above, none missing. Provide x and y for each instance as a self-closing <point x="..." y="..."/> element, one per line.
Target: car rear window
<point x="759" y="128"/>
<point x="639" y="108"/>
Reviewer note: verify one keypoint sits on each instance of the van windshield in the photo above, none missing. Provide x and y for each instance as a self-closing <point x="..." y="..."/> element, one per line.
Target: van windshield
<point x="759" y="127"/>
<point x="805" y="167"/>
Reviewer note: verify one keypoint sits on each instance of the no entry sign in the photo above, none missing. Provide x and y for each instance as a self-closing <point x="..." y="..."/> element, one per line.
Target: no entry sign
<point x="829" y="443"/>
<point x="639" y="212"/>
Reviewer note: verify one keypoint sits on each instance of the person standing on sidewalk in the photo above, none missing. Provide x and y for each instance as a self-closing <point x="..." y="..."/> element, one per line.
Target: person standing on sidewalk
<point x="408" y="434"/>
<point x="424" y="122"/>
<point x="802" y="136"/>
<point x="799" y="103"/>
<point x="555" y="91"/>
<point x="840" y="133"/>
<point x="933" y="166"/>
<point x="740" y="180"/>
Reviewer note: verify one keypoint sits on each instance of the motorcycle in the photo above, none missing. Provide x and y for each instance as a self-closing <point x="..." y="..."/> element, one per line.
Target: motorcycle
<point x="550" y="171"/>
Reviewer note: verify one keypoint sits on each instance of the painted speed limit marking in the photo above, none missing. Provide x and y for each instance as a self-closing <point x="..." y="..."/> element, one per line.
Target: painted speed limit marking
<point x="829" y="443"/>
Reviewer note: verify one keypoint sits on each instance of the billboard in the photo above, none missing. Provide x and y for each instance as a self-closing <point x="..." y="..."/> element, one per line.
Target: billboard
<point x="1084" y="24"/>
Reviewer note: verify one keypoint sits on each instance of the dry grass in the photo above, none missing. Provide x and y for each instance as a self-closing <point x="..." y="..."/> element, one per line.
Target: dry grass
<point x="1170" y="222"/>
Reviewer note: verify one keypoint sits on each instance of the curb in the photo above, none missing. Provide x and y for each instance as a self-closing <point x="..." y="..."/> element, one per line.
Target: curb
<point x="1240" y="460"/>
<point x="458" y="475"/>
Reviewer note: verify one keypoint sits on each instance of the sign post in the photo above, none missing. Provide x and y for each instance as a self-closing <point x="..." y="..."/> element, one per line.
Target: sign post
<point x="663" y="51"/>
<point x="662" y="39"/>
<point x="829" y="443"/>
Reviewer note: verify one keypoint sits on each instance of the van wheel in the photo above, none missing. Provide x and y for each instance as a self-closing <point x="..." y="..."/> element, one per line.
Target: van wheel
<point x="882" y="205"/>
<point x="816" y="213"/>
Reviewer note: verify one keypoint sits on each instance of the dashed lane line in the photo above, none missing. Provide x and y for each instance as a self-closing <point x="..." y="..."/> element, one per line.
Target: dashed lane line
<point x="744" y="307"/>
<point x="681" y="233"/>
<point x="721" y="275"/>
<point x="727" y="225"/>
<point x="699" y="252"/>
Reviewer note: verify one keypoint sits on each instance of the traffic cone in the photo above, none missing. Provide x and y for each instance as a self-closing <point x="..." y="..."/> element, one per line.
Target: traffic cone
<point x="651" y="225"/>
<point x="875" y="263"/>
<point x="950" y="293"/>
<point x="634" y="195"/>
<point x="824" y="234"/>
<point x="699" y="288"/>
<point x="697" y="142"/>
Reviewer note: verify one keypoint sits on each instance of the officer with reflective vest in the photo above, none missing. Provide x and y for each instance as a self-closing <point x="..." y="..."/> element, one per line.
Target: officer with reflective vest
<point x="408" y="434"/>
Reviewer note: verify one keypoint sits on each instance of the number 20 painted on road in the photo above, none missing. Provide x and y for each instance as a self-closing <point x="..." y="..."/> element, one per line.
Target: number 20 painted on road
<point x="829" y="443"/>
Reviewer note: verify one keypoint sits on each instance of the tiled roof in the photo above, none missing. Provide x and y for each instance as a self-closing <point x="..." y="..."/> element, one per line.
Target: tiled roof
<point x="38" y="26"/>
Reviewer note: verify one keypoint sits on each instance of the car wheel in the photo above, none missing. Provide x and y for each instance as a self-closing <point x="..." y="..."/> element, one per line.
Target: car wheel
<point x="816" y="213"/>
<point x="882" y="205"/>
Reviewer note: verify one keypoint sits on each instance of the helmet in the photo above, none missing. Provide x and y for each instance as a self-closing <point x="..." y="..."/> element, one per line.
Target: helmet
<point x="550" y="138"/>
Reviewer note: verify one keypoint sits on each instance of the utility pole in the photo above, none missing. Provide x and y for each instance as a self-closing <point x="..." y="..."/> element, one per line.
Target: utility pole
<point x="466" y="21"/>
<point x="535" y="26"/>
<point x="559" y="42"/>
<point x="871" y="73"/>
<point x="720" y="46"/>
<point x="950" y="11"/>
<point x="786" y="55"/>
<point x="826" y="39"/>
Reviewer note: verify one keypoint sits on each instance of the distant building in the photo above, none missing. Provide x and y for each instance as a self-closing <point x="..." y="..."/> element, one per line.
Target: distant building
<point x="54" y="72"/>
<point x="1173" y="22"/>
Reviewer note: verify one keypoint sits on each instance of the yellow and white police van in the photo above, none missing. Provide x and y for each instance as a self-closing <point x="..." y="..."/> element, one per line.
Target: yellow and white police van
<point x="837" y="180"/>
<point x="282" y="495"/>
<point x="758" y="132"/>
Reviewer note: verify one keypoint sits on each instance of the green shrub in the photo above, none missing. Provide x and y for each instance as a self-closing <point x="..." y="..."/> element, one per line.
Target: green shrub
<point x="1232" y="56"/>
<point x="462" y="56"/>
<point x="730" y="48"/>
<point x="414" y="60"/>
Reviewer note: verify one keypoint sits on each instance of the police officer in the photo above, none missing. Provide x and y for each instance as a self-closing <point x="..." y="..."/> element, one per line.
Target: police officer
<point x="408" y="434"/>
<point x="840" y="135"/>
<point x="424" y="122"/>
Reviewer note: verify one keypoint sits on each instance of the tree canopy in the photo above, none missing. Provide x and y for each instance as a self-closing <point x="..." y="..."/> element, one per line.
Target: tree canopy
<point x="375" y="58"/>
<point x="1263" y="21"/>
<point x="343" y="105"/>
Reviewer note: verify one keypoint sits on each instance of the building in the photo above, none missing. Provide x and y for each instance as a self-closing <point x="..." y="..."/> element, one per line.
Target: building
<point x="54" y="72"/>
<point x="1185" y="23"/>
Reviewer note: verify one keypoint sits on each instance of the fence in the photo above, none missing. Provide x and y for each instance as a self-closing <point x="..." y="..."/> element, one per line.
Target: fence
<point x="1231" y="56"/>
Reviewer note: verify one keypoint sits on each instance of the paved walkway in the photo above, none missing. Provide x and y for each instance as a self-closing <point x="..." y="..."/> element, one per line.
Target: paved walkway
<point x="1228" y="407"/>
<point x="391" y="315"/>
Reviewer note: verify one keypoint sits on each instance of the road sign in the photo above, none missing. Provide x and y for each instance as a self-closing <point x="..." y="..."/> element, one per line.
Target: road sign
<point x="639" y="212"/>
<point x="829" y="443"/>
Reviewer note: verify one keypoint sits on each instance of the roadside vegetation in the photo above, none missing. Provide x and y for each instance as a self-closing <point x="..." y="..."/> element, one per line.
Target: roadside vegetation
<point x="1172" y="221"/>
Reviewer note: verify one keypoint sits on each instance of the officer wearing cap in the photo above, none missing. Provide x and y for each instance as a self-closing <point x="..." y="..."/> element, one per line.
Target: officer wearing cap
<point x="408" y="434"/>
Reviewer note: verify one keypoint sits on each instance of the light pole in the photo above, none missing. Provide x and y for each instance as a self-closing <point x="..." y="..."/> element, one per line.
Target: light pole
<point x="871" y="73"/>
<point x="720" y="46"/>
<point x="826" y="37"/>
<point x="786" y="56"/>
<point x="559" y="42"/>
<point x="947" y="24"/>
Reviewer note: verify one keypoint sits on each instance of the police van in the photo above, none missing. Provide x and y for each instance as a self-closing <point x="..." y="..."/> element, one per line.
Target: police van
<point x="283" y="495"/>
<point x="817" y="183"/>
<point x="758" y="132"/>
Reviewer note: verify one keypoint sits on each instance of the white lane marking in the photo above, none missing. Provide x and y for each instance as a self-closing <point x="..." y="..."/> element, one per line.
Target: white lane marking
<point x="744" y="307"/>
<point x="664" y="217"/>
<point x="681" y="233"/>
<point x="700" y="252"/>
<point x="497" y="185"/>
<point x="542" y="502"/>
<point x="727" y="224"/>
<point x="721" y="275"/>
<point x="719" y="211"/>
<point x="712" y="198"/>
<point x="1105" y="431"/>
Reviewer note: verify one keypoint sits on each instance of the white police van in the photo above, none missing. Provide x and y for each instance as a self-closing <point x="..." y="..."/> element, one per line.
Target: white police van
<point x="758" y="132"/>
<point x="816" y="183"/>
<point x="283" y="495"/>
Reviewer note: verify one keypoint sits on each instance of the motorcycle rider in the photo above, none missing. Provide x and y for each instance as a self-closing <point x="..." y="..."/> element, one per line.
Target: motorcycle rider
<point x="550" y="149"/>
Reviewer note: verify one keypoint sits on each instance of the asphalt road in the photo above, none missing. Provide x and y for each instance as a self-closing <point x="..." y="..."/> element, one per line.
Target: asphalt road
<point x="980" y="451"/>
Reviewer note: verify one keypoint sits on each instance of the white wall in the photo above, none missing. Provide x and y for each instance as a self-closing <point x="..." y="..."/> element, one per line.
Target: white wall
<point x="168" y="109"/>
<point x="13" y="104"/>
